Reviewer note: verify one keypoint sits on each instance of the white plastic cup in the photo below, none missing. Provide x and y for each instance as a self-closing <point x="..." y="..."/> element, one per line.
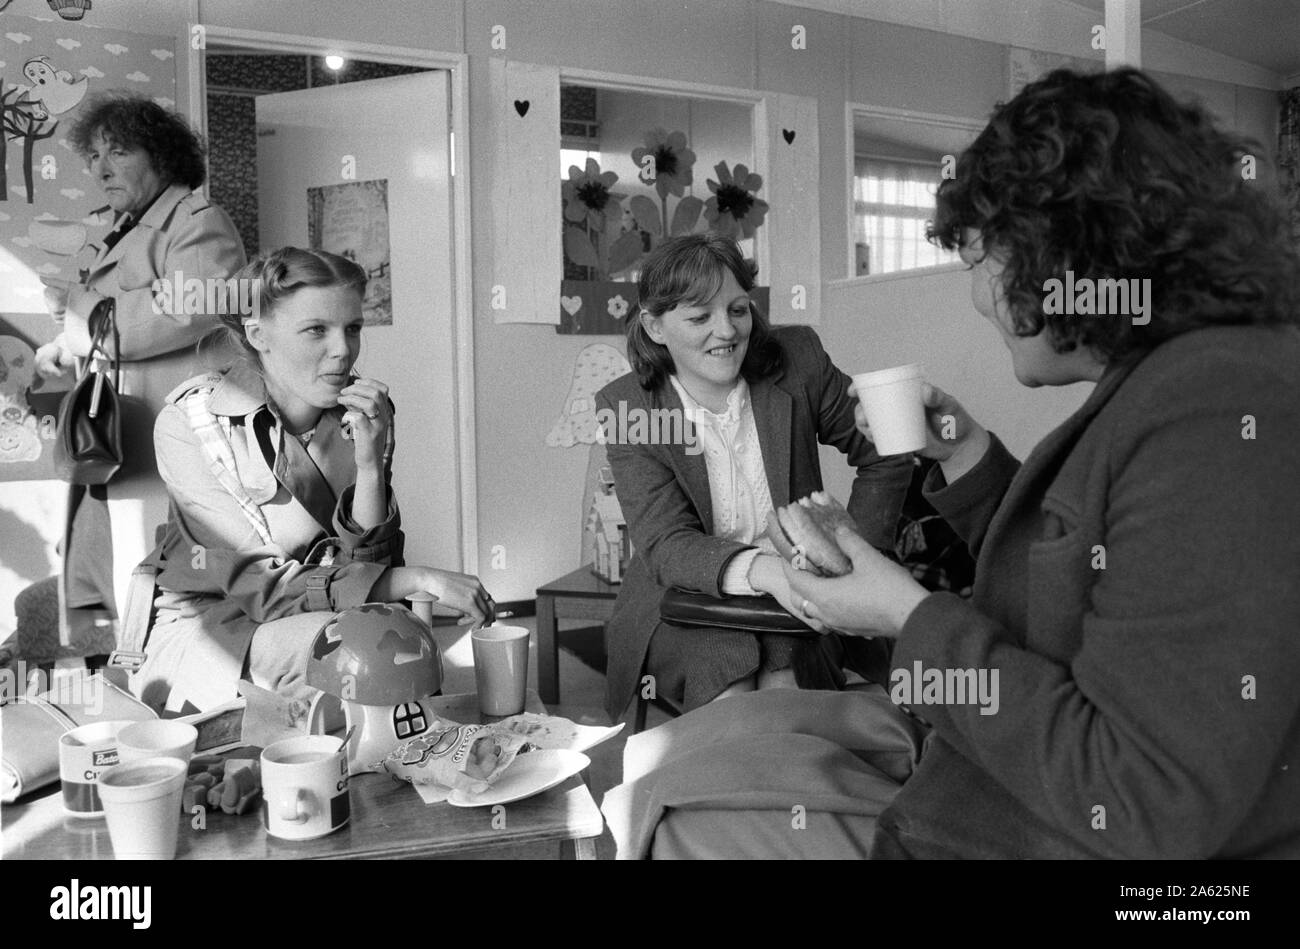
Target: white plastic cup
<point x="84" y="754"/>
<point x="892" y="399"/>
<point x="501" y="668"/>
<point x="157" y="738"/>
<point x="142" y="804"/>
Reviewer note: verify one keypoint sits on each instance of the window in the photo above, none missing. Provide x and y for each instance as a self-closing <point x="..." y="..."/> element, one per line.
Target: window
<point x="893" y="199"/>
<point x="897" y="160"/>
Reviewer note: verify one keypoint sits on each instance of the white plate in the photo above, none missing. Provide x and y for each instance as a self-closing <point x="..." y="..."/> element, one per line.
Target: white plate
<point x="528" y="774"/>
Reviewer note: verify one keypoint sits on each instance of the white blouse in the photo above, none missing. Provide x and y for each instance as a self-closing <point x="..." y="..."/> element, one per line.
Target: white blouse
<point x="737" y="479"/>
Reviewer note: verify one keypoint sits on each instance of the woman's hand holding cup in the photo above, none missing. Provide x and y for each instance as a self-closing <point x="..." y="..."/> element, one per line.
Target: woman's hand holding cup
<point x="953" y="437"/>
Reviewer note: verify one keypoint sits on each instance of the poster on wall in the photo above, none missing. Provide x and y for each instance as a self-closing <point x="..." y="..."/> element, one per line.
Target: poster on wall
<point x="351" y="220"/>
<point x="49" y="206"/>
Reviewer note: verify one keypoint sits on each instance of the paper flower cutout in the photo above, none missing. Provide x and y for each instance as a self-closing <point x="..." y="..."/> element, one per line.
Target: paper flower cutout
<point x="587" y="197"/>
<point x="617" y="307"/>
<point x="734" y="209"/>
<point x="673" y="161"/>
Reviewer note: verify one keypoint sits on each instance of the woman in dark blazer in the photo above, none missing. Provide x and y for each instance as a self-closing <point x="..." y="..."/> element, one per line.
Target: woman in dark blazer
<point x="1132" y="634"/>
<point x="696" y="497"/>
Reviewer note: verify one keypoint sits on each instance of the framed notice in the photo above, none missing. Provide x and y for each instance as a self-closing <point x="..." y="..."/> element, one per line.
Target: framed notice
<point x="351" y="220"/>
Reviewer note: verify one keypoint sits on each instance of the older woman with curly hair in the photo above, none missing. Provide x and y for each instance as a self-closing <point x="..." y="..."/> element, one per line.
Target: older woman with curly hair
<point x="1122" y="683"/>
<point x="148" y="162"/>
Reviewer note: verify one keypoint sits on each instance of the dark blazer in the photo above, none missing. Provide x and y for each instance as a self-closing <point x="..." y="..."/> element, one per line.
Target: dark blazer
<point x="664" y="491"/>
<point x="1149" y="705"/>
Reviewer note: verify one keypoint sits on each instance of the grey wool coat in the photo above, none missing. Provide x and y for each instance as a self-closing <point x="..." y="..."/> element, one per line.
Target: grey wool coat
<point x="664" y="491"/>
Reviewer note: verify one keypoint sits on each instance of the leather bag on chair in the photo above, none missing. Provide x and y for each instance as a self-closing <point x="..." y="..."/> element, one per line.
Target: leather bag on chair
<point x="88" y="446"/>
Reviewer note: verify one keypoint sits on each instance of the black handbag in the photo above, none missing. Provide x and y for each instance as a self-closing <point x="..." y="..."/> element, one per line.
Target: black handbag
<point x="88" y="434"/>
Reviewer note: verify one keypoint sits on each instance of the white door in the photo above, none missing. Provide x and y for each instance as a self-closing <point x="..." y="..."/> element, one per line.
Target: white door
<point x="393" y="130"/>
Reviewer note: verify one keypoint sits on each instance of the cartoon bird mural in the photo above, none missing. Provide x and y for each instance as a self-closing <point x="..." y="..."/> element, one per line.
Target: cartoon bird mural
<point x="54" y="91"/>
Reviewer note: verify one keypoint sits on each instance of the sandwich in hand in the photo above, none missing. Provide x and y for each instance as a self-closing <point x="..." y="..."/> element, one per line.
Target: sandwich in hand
<point x="804" y="534"/>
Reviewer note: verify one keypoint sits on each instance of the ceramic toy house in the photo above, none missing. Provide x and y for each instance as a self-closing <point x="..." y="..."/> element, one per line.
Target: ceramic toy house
<point x="608" y="529"/>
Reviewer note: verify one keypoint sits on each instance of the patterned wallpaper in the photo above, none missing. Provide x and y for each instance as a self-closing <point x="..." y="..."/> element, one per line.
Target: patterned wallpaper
<point x="234" y="81"/>
<point x="1288" y="151"/>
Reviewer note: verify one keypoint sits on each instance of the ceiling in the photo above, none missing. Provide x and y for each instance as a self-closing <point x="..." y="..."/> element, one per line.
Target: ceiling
<point x="1263" y="32"/>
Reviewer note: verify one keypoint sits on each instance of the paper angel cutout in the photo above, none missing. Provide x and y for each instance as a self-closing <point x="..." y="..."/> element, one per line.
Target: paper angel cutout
<point x="597" y="365"/>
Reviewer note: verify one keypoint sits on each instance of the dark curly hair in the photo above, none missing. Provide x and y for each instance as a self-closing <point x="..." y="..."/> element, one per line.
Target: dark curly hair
<point x="133" y="121"/>
<point x="1108" y="176"/>
<point x="688" y="271"/>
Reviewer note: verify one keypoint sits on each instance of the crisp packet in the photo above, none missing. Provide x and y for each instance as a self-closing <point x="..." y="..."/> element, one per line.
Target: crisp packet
<point x="468" y="757"/>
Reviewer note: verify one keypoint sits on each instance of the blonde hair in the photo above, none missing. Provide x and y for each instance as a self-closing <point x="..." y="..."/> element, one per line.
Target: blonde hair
<point x="278" y="276"/>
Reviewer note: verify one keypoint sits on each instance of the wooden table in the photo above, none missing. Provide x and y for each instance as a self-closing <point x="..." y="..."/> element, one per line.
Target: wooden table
<point x="388" y="821"/>
<point x="577" y="595"/>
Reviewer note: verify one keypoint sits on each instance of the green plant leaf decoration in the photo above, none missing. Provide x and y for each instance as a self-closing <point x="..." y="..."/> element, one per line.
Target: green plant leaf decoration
<point x="687" y="214"/>
<point x="625" y="252"/>
<point x="578" y="248"/>
<point x="646" y="215"/>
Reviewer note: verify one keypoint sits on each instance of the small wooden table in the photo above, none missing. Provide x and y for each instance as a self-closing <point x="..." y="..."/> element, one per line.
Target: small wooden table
<point x="389" y="820"/>
<point x="577" y="595"/>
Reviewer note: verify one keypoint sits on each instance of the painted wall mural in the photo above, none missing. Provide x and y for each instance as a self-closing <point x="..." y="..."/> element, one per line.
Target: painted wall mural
<point x="49" y="207"/>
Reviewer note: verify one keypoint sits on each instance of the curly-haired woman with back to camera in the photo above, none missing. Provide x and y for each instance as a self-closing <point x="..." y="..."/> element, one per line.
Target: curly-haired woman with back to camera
<point x="1136" y="591"/>
<point x="268" y="463"/>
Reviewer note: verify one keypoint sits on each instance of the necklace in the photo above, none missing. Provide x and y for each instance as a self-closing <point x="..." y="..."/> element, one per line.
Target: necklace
<point x="305" y="437"/>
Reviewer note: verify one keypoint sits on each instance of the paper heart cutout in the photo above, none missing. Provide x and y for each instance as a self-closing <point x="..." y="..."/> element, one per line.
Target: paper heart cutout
<point x="789" y="136"/>
<point x="521" y="106"/>
<point x="571" y="304"/>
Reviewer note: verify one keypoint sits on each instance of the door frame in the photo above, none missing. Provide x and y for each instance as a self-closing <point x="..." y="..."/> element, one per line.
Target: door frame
<point x="457" y="67"/>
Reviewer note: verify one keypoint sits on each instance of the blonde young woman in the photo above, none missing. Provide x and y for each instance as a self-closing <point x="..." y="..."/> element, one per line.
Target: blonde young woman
<point x="268" y="463"/>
